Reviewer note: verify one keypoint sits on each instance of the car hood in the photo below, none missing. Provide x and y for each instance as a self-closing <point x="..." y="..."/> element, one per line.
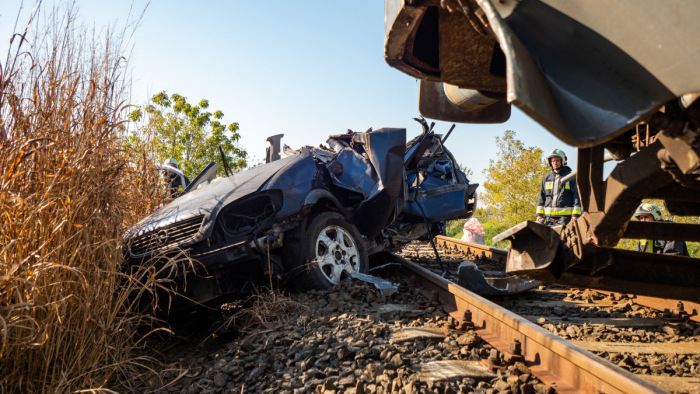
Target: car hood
<point x="209" y="199"/>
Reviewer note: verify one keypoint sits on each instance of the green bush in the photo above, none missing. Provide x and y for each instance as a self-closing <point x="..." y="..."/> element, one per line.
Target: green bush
<point x="493" y="228"/>
<point x="454" y="228"/>
<point x="694" y="249"/>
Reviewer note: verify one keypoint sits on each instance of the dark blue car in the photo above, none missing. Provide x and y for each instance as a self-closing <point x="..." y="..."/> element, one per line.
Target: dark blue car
<point x="312" y="218"/>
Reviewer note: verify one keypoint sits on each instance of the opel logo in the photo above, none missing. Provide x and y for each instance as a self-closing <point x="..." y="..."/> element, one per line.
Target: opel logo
<point x="162" y="237"/>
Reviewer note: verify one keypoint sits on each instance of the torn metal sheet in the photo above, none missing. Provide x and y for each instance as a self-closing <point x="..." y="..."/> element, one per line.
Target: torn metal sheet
<point x="207" y="175"/>
<point x="437" y="189"/>
<point x="350" y="170"/>
<point x="472" y="278"/>
<point x="384" y="286"/>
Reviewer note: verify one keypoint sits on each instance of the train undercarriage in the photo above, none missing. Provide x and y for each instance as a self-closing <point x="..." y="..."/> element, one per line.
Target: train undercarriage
<point x="617" y="77"/>
<point x="583" y="253"/>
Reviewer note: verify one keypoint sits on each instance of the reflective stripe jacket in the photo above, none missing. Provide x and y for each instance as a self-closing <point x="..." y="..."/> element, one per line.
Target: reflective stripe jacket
<point x="678" y="248"/>
<point x="177" y="185"/>
<point x="557" y="198"/>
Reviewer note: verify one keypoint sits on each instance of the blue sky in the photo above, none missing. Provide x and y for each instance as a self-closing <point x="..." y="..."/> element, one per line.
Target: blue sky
<point x="306" y="69"/>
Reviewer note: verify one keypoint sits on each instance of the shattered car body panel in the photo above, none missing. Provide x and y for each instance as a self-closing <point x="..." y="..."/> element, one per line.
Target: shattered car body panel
<point x="153" y="232"/>
<point x="437" y="190"/>
<point x="247" y="225"/>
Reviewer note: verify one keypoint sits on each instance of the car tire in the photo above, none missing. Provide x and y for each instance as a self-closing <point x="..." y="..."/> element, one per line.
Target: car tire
<point x="332" y="249"/>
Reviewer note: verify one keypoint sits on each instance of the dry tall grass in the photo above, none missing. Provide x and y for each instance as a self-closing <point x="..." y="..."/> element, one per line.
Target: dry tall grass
<point x="68" y="190"/>
<point x="267" y="309"/>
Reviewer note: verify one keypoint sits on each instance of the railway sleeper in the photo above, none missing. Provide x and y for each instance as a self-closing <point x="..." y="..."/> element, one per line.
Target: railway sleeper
<point x="565" y="367"/>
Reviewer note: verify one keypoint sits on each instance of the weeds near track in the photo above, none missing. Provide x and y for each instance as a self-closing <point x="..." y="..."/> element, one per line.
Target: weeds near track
<point x="266" y="309"/>
<point x="68" y="190"/>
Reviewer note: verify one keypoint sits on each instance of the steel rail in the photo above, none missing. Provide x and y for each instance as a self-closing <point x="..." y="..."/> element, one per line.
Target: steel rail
<point x="558" y="363"/>
<point x="483" y="251"/>
<point x="676" y="307"/>
<point x="661" y="304"/>
<point x="691" y="308"/>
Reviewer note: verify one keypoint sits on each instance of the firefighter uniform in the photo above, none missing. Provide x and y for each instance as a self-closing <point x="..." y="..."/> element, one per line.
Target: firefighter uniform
<point x="678" y="248"/>
<point x="176" y="182"/>
<point x="558" y="201"/>
<point x="650" y="212"/>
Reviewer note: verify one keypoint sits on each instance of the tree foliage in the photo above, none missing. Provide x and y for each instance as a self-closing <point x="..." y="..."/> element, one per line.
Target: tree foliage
<point x="188" y="133"/>
<point x="466" y="170"/>
<point x="513" y="180"/>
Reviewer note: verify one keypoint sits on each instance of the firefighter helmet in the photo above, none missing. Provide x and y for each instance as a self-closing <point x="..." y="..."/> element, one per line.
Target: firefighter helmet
<point x="556" y="153"/>
<point x="171" y="162"/>
<point x="648" y="209"/>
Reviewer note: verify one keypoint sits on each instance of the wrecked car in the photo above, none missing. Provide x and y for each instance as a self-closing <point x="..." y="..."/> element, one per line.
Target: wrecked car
<point x="312" y="217"/>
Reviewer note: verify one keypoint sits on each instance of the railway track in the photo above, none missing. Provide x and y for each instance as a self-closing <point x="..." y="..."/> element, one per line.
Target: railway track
<point x="430" y="335"/>
<point x="572" y="339"/>
<point x="673" y="309"/>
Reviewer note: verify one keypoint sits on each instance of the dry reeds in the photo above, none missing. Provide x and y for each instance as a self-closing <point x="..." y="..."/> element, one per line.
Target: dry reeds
<point x="266" y="310"/>
<point x="69" y="187"/>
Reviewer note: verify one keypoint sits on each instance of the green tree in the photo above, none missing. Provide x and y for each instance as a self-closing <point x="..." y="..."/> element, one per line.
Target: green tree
<point x="513" y="180"/>
<point x="466" y="170"/>
<point x="188" y="133"/>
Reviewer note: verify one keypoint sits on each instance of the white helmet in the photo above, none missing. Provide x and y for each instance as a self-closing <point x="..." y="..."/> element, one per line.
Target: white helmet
<point x="557" y="153"/>
<point x="648" y="209"/>
<point x="171" y="162"/>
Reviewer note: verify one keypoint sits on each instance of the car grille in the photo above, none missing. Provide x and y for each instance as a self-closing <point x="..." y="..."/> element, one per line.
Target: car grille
<point x="166" y="236"/>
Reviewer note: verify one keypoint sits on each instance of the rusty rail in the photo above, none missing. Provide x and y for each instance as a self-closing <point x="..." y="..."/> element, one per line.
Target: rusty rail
<point x="678" y="309"/>
<point x="471" y="249"/>
<point x="566" y="367"/>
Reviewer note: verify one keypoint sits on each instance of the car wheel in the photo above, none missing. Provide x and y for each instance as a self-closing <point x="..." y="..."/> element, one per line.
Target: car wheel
<point x="332" y="250"/>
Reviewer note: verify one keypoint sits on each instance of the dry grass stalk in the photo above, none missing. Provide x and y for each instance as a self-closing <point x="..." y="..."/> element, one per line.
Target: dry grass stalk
<point x="269" y="309"/>
<point x="68" y="189"/>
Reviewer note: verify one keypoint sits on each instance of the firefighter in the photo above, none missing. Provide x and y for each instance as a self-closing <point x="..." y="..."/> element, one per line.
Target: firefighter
<point x="558" y="202"/>
<point x="652" y="213"/>
<point x="177" y="182"/>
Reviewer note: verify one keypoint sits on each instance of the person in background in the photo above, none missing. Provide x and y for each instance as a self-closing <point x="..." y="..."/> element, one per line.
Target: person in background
<point x="558" y="202"/>
<point x="177" y="182"/>
<point x="652" y="213"/>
